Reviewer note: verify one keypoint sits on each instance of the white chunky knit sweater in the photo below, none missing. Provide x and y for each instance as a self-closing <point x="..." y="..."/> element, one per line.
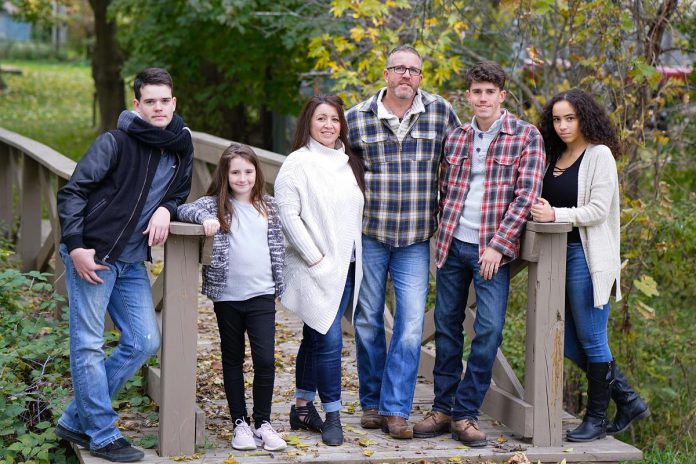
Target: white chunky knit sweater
<point x="597" y="219"/>
<point x="321" y="208"/>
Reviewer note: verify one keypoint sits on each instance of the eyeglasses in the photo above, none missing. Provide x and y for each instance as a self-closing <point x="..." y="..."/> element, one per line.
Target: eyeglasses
<point x="403" y="69"/>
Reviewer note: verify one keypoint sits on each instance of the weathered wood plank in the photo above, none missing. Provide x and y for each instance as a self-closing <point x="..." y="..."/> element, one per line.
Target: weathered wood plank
<point x="30" y="215"/>
<point x="544" y="349"/>
<point x="178" y="376"/>
<point x="6" y="191"/>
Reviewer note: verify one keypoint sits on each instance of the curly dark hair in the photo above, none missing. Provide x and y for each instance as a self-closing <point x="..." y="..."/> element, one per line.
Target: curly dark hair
<point x="594" y="124"/>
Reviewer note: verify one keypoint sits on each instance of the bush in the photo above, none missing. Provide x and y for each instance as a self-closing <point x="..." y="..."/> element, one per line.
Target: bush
<point x="10" y="50"/>
<point x="34" y="360"/>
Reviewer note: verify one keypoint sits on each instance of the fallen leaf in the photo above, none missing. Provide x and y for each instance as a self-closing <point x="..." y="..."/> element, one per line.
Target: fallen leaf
<point x="368" y="452"/>
<point x="568" y="450"/>
<point x="462" y="447"/>
<point x="501" y="439"/>
<point x="295" y="453"/>
<point x="365" y="442"/>
<point x="231" y="460"/>
<point x="455" y="459"/>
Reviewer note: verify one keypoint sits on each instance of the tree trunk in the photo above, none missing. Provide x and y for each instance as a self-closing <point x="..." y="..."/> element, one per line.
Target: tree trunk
<point x="107" y="61"/>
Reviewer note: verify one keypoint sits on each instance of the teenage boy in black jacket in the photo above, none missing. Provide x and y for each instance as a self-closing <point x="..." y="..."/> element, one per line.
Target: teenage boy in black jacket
<point x="118" y="203"/>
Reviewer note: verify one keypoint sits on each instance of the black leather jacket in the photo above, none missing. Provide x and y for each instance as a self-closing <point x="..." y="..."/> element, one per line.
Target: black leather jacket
<point x="100" y="205"/>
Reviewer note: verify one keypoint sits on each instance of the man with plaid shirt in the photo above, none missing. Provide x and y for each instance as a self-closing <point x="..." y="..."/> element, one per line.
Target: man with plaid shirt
<point x="491" y="172"/>
<point x="399" y="134"/>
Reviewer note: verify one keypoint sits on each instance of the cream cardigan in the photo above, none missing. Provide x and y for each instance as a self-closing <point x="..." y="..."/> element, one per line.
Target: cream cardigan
<point x="321" y="208"/>
<point x="597" y="219"/>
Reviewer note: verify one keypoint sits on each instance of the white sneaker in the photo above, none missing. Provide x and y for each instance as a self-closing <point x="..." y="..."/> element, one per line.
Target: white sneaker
<point x="243" y="436"/>
<point x="269" y="438"/>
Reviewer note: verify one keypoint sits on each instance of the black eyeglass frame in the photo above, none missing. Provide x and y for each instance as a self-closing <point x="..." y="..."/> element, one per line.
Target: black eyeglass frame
<point x="411" y="70"/>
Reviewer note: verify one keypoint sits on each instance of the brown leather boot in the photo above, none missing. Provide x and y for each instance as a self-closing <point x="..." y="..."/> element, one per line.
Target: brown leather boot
<point x="467" y="431"/>
<point x="435" y="423"/>
<point x="397" y="427"/>
<point x="371" y="419"/>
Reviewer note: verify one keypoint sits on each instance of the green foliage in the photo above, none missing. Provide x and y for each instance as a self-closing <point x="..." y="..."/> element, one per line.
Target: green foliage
<point x="231" y="66"/>
<point x="50" y="103"/>
<point x="10" y="50"/>
<point x="33" y="361"/>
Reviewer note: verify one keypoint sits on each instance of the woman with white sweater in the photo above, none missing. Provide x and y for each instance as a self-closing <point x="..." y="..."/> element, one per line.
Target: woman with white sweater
<point x="319" y="191"/>
<point x="581" y="187"/>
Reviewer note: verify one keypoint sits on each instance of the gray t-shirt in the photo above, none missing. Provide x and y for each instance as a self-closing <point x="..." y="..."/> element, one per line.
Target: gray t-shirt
<point x="249" y="272"/>
<point x="136" y="248"/>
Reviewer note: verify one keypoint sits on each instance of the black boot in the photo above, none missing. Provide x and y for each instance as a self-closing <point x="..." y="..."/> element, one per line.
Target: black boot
<point x="600" y="377"/>
<point x="305" y="417"/>
<point x="332" y="434"/>
<point x="629" y="407"/>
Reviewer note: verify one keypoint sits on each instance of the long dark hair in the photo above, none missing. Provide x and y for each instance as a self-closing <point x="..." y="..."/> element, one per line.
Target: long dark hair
<point x="220" y="186"/>
<point x="305" y="120"/>
<point x="594" y="124"/>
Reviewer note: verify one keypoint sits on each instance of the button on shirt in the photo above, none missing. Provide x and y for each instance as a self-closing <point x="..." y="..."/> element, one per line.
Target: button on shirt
<point x="470" y="220"/>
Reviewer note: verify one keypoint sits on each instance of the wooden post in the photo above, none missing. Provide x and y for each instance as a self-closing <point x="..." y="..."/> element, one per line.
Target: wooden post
<point x="545" y="312"/>
<point x="30" y="216"/>
<point x="6" y="210"/>
<point x="177" y="400"/>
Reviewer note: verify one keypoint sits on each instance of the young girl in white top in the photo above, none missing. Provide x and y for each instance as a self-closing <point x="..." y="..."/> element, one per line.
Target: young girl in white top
<point x="244" y="279"/>
<point x="320" y="196"/>
<point x="581" y="186"/>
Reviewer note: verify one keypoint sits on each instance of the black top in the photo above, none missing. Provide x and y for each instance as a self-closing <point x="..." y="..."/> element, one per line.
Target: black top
<point x="562" y="191"/>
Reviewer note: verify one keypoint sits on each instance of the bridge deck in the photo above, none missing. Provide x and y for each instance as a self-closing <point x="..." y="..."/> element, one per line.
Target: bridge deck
<point x="360" y="445"/>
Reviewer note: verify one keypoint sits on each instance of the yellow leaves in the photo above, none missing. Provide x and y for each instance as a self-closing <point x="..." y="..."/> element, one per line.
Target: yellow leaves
<point x="350" y="428"/>
<point x="357" y="33"/>
<point x="296" y="453"/>
<point x="365" y="442"/>
<point x="455" y="460"/>
<point x="501" y="439"/>
<point x="230" y="460"/>
<point x="368" y="453"/>
<point x="646" y="312"/>
<point x="156" y="268"/>
<point x="646" y="285"/>
<point x="534" y="55"/>
<point x="294" y="440"/>
<point x="568" y="450"/>
<point x="193" y="457"/>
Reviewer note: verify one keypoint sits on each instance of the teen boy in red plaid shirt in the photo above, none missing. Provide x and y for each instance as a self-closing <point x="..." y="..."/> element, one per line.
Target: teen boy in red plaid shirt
<point x="491" y="174"/>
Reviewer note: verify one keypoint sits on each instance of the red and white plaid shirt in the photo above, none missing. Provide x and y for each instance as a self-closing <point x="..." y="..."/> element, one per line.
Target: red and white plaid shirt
<point x="514" y="173"/>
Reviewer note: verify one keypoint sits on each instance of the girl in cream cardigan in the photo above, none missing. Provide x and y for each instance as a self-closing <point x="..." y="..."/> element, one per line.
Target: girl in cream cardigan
<point x="581" y="187"/>
<point x="319" y="190"/>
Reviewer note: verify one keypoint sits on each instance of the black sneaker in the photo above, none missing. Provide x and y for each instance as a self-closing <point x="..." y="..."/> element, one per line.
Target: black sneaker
<point x="118" y="451"/>
<point x="76" y="438"/>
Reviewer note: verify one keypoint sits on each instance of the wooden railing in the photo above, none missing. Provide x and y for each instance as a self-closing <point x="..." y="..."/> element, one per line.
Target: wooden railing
<point x="31" y="173"/>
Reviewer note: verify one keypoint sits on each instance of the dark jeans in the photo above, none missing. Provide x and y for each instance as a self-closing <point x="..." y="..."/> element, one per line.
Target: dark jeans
<point x="256" y="316"/>
<point x="462" y="398"/>
<point x="318" y="365"/>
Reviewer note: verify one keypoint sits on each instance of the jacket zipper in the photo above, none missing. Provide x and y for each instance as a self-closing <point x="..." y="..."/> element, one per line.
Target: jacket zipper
<point x="140" y="195"/>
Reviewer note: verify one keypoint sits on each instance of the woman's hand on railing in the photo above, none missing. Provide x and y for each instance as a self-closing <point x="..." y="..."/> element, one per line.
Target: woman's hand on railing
<point x="542" y="211"/>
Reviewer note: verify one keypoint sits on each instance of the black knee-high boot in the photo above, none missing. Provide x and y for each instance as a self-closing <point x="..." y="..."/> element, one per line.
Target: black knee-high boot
<point x="629" y="407"/>
<point x="600" y="377"/>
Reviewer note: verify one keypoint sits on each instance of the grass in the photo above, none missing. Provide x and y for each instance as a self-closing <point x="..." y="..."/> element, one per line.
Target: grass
<point x="50" y="103"/>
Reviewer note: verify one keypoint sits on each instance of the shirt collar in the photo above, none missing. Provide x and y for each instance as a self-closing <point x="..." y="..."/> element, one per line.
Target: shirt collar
<point x="495" y="127"/>
<point x="416" y="107"/>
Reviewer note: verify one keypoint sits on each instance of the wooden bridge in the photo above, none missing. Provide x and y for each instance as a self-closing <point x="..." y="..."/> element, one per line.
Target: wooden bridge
<point x="520" y="416"/>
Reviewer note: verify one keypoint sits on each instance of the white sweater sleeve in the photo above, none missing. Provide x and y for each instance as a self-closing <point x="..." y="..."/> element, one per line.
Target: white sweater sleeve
<point x="289" y="197"/>
<point x="602" y="182"/>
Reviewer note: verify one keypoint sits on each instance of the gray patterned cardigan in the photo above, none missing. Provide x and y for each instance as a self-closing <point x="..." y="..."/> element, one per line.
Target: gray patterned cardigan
<point x="215" y="274"/>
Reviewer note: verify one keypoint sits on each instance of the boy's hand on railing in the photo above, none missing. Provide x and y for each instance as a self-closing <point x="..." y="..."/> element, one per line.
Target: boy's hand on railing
<point x="158" y="227"/>
<point x="211" y="226"/>
<point x="83" y="260"/>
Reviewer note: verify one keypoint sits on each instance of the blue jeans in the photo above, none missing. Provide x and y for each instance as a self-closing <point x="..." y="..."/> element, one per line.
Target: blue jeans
<point x="318" y="365"/>
<point x="585" y="326"/>
<point x="388" y="378"/>
<point x="454" y="396"/>
<point x="126" y="295"/>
